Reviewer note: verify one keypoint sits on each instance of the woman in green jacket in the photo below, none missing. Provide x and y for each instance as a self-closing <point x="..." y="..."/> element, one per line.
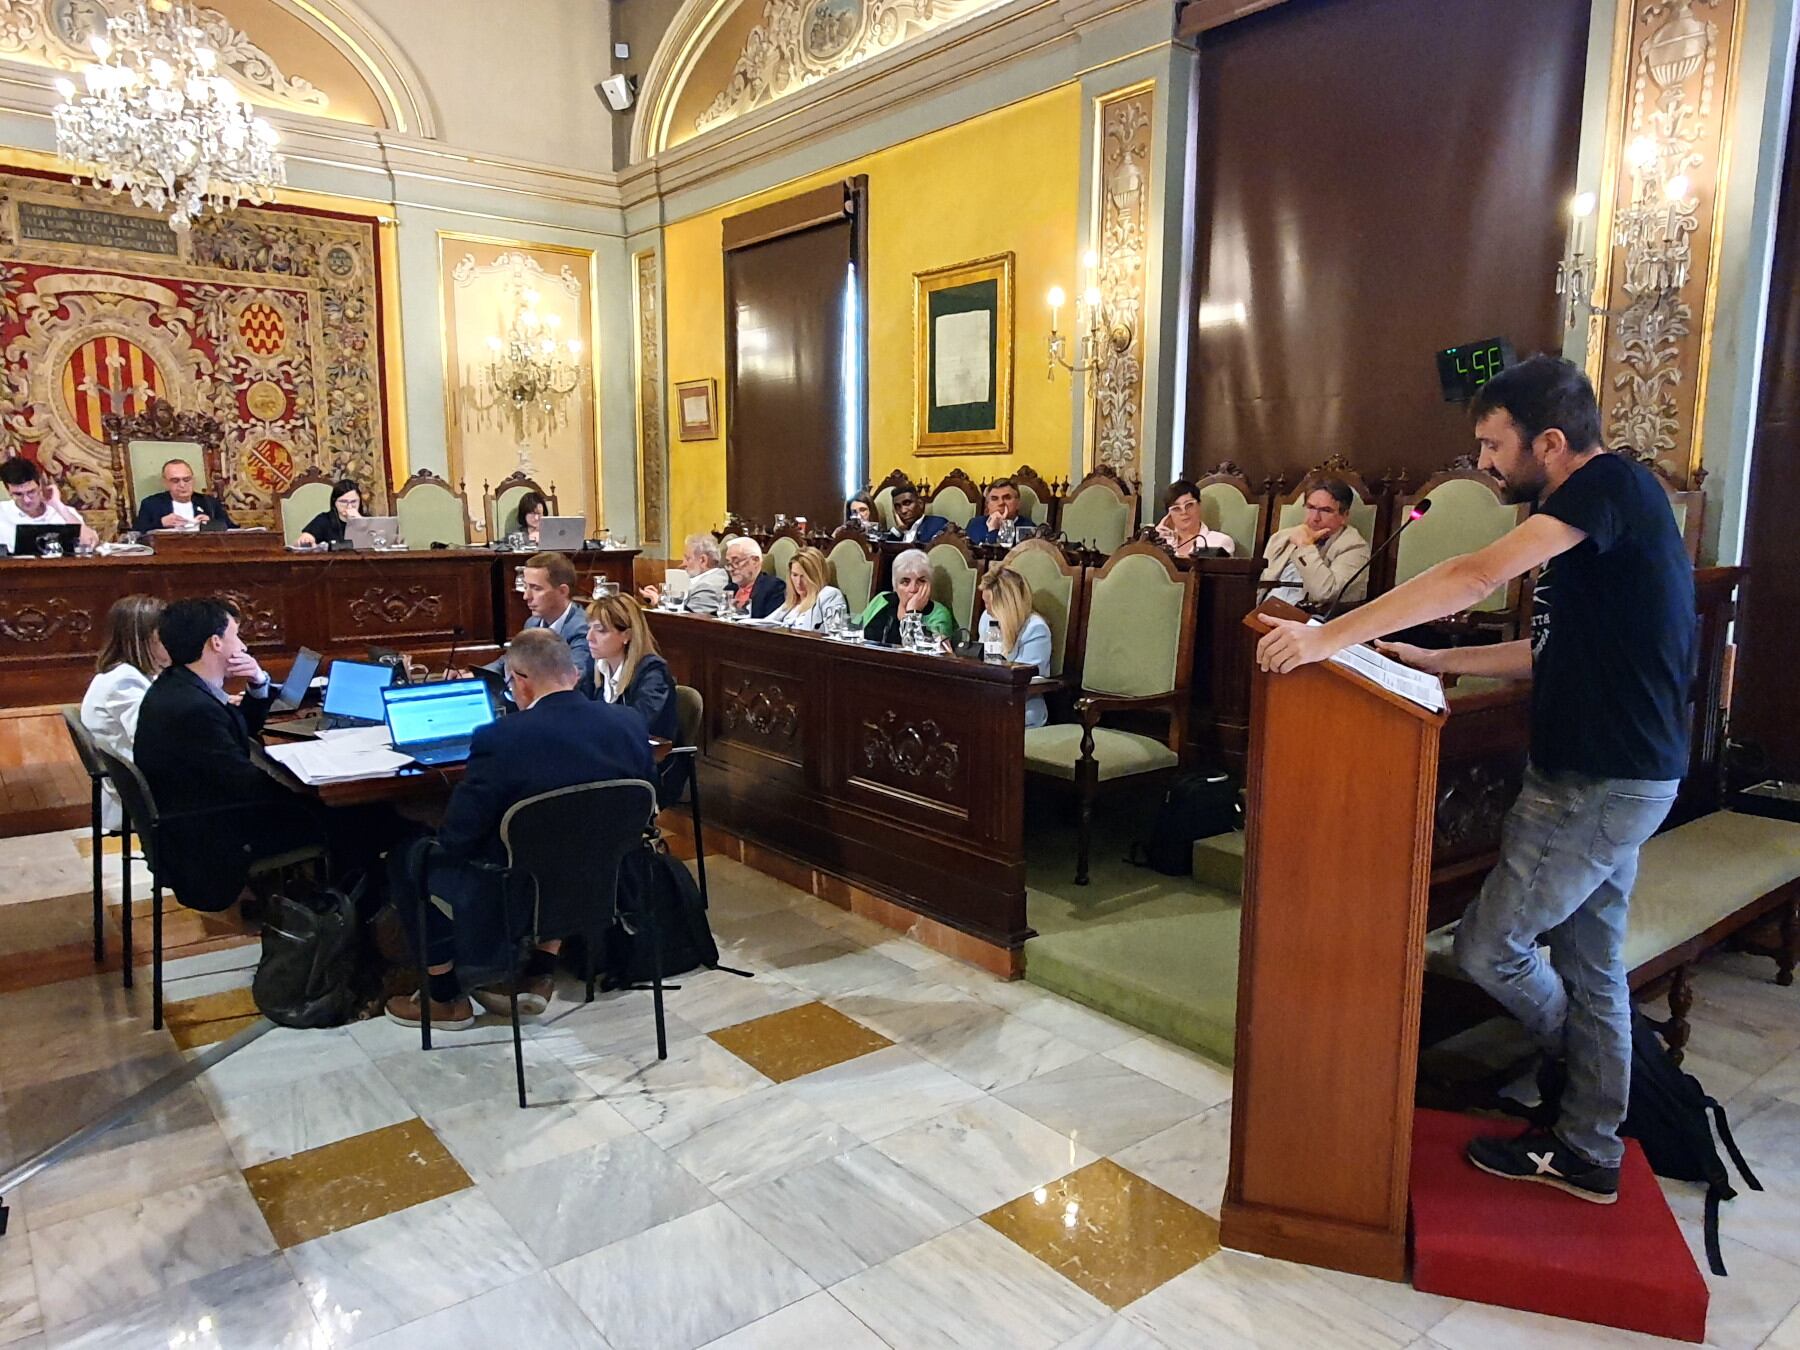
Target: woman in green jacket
<point x="893" y="612"/>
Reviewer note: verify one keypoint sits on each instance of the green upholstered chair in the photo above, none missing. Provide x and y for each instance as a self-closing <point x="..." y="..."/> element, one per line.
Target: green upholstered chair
<point x="146" y="458"/>
<point x="779" y="554"/>
<point x="1365" y="511"/>
<point x="500" y="504"/>
<point x="1137" y="655"/>
<point x="1101" y="513"/>
<point x="1038" y="499"/>
<point x="431" y="512"/>
<point x="954" y="575"/>
<point x="956" y="499"/>
<point x="853" y="566"/>
<point x="1229" y="504"/>
<point x="142" y="443"/>
<point x="1055" y="593"/>
<point x="306" y="497"/>
<point x="1467" y="513"/>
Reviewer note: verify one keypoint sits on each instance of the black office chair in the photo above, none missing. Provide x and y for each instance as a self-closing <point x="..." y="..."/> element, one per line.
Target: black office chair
<point x="681" y="770"/>
<point x="89" y="754"/>
<point x="142" y="815"/>
<point x="564" y="853"/>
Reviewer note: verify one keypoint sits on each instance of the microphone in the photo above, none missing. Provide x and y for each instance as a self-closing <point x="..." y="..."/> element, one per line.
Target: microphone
<point x="1418" y="510"/>
<point x="456" y="637"/>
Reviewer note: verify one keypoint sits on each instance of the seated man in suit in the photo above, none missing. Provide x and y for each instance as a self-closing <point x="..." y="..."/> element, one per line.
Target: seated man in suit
<point x="178" y="506"/>
<point x="32" y="500"/>
<point x="549" y="581"/>
<point x="708" y="581"/>
<point x="753" y="591"/>
<point x="558" y="739"/>
<point x="914" y="526"/>
<point x="1002" y="514"/>
<point x="1313" y="561"/>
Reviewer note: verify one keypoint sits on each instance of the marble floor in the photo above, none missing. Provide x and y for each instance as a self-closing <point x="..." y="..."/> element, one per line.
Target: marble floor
<point x="866" y="1145"/>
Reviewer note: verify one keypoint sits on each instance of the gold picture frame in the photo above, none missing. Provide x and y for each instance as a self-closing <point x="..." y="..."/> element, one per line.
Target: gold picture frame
<point x="972" y="412"/>
<point x="697" y="409"/>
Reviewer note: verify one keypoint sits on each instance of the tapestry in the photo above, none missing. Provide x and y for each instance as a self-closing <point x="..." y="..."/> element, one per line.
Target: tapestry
<point x="265" y="318"/>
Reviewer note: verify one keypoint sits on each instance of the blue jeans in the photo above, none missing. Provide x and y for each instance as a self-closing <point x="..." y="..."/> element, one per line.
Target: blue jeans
<point x="1568" y="858"/>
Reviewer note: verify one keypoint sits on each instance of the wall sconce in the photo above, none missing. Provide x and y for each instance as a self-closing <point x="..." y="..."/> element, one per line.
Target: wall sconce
<point x="1099" y="336"/>
<point x="1653" y="232"/>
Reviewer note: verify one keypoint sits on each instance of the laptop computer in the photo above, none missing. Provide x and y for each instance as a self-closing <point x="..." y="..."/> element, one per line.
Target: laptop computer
<point x="352" y="699"/>
<point x="562" y="534"/>
<point x="28" y="540"/>
<point x="299" y="680"/>
<point x="432" y="723"/>
<point x="495" y="680"/>
<point x="360" y="531"/>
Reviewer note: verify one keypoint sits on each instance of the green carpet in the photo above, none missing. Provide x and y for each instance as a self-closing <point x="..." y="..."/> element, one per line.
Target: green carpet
<point x="1155" y="951"/>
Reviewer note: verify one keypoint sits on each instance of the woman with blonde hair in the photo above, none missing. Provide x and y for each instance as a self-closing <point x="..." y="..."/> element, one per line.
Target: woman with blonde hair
<point x="1011" y="627"/>
<point x="812" y="602"/>
<point x="627" y="667"/>
<point x="131" y="656"/>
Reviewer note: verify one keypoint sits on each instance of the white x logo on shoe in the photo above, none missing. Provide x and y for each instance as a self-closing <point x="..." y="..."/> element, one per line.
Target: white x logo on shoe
<point x="1544" y="1162"/>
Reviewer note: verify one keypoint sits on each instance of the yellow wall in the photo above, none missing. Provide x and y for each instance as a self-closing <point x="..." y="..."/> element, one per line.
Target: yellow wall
<point x="1006" y="181"/>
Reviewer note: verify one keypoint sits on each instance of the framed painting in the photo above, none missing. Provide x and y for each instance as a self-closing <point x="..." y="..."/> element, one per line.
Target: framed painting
<point x="697" y="408"/>
<point x="962" y="370"/>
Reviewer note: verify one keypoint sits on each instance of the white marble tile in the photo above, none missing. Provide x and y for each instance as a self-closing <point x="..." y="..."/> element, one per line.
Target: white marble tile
<point x="848" y="1213"/>
<point x="1101" y="1103"/>
<point x="1768" y="1220"/>
<point x="18" y="1290"/>
<point x="754" y="1139"/>
<point x="816" y="1323"/>
<point x="440" y="1079"/>
<point x="972" y="1289"/>
<point x="1245" y="1300"/>
<point x="1073" y="1022"/>
<point x="663" y="1097"/>
<point x="1197" y="1076"/>
<point x="534" y="1308"/>
<point x="737" y="891"/>
<point x="876" y="1094"/>
<point x="119" y="1256"/>
<point x="619" y="1023"/>
<point x="1770" y="1136"/>
<point x="1787" y="1335"/>
<point x="376" y="1276"/>
<point x="994" y="1050"/>
<point x="1781" y="1081"/>
<point x="1411" y="1307"/>
<point x="1749" y="1303"/>
<point x="838" y="966"/>
<point x="382" y="1038"/>
<point x="280" y="1121"/>
<point x="493" y="1137"/>
<point x="717" y="998"/>
<point x="1481" y="1326"/>
<point x="1115" y="1333"/>
<point x="282" y="1056"/>
<point x="587" y="1199"/>
<point x="684" y="1283"/>
<point x="984" y="1153"/>
<point x="767" y="936"/>
<point x="256" y="1303"/>
<point x="907" y="1011"/>
<point x="1189" y="1160"/>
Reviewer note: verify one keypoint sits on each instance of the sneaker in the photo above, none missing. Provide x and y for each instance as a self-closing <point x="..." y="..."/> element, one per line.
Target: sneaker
<point x="1538" y="1155"/>
<point x="534" y="997"/>
<point x="456" y="1015"/>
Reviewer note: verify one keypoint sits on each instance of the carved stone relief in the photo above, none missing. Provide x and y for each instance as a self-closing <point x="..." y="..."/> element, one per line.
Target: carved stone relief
<point x="653" y="454"/>
<point x="1124" y="169"/>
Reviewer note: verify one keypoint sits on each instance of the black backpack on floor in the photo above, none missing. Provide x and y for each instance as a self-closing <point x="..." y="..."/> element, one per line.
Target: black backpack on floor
<point x="1196" y="806"/>
<point x="311" y="952"/>
<point x="652" y="878"/>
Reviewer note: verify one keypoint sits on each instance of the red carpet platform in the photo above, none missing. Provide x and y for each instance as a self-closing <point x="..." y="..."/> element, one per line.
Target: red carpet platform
<point x="1533" y="1247"/>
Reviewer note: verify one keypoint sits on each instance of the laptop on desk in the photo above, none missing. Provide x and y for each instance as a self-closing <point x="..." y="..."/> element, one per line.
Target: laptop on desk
<point x="432" y="723"/>
<point x="352" y="699"/>
<point x="29" y="539"/>
<point x="361" y="532"/>
<point x="562" y="534"/>
<point x="299" y="680"/>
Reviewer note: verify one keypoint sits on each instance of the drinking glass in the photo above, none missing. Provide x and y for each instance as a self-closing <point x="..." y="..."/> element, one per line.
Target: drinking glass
<point x="50" y="547"/>
<point x="1009" y="534"/>
<point x="519" y="580"/>
<point x="516" y="542"/>
<point x="378" y="540"/>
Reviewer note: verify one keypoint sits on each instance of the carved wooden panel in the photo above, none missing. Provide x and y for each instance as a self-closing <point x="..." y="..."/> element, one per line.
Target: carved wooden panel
<point x="1472" y="800"/>
<point x="259" y="615"/>
<point x="912" y="754"/>
<point x="31" y="621"/>
<point x="395" y="607"/>
<point x="758" y="710"/>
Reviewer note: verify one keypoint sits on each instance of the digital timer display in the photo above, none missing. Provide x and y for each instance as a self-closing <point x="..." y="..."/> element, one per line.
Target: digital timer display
<point x="1464" y="369"/>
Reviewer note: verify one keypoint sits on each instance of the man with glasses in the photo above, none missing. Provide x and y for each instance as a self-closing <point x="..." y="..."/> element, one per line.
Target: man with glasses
<point x="1311" y="562"/>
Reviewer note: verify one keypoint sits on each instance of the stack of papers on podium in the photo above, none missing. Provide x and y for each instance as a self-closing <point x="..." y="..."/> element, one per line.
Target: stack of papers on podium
<point x="1425" y="690"/>
<point x="341" y="756"/>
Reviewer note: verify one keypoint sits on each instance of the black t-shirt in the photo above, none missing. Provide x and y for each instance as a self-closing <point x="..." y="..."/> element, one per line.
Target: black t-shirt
<point x="326" y="528"/>
<point x="1612" y="632"/>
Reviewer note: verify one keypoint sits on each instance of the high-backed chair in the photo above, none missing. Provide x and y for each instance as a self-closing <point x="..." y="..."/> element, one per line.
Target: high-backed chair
<point x="500" y="504"/>
<point x="854" y="563"/>
<point x="1365" y="511"/>
<point x="1689" y="506"/>
<point x="431" y="512"/>
<point x="957" y="499"/>
<point x="1229" y="504"/>
<point x="780" y="551"/>
<point x="1137" y="656"/>
<point x="1055" y="593"/>
<point x="1101" y="513"/>
<point x="1468" y="513"/>
<point x="1037" y="497"/>
<point x="143" y="443"/>
<point x="306" y="497"/>
<point x="882" y="494"/>
<point x="954" y="575"/>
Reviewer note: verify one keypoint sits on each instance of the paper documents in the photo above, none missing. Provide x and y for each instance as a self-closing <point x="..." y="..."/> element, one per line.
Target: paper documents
<point x="340" y="756"/>
<point x="1425" y="690"/>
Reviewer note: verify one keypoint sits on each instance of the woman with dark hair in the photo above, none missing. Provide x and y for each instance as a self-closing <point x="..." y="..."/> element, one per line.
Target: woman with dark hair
<point x="1182" y="527"/>
<point x="530" y="515"/>
<point x="131" y="656"/>
<point x="328" y="526"/>
<point x="860" y="511"/>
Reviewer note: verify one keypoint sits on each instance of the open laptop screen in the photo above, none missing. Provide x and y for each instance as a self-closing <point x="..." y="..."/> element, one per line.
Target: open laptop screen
<point x="299" y="680"/>
<point x="353" y="689"/>
<point x="421" y="714"/>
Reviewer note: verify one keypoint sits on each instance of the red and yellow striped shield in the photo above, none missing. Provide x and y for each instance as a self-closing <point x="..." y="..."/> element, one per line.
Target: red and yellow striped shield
<point x="262" y="328"/>
<point x="107" y="374"/>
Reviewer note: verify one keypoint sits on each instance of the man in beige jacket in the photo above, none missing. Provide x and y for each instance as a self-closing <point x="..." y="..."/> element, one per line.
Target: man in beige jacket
<point x="1311" y="562"/>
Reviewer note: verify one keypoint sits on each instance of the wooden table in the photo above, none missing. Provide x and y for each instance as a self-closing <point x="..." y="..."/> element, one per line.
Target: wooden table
<point x="900" y="773"/>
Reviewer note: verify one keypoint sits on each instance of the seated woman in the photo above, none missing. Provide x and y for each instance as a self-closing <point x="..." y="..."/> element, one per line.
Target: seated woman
<point x="627" y="668"/>
<point x="812" y="603"/>
<point x="328" y="526"/>
<point x="1181" y="527"/>
<point x="860" y="511"/>
<point x="532" y="510"/>
<point x="892" y="613"/>
<point x="131" y="656"/>
<point x="1022" y="634"/>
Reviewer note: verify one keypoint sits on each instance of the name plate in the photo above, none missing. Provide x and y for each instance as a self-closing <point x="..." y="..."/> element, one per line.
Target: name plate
<point x="53" y="224"/>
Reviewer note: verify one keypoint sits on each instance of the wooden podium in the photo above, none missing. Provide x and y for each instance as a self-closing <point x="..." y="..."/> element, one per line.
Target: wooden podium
<point x="1337" y="862"/>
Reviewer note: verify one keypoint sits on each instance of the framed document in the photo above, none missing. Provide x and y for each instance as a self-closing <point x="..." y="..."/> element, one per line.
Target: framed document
<point x="962" y="371"/>
<point x="697" y="402"/>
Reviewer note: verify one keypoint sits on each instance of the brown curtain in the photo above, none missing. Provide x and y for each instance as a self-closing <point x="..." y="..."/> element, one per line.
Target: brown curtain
<point x="785" y="350"/>
<point x="1762" y="712"/>
<point x="1377" y="180"/>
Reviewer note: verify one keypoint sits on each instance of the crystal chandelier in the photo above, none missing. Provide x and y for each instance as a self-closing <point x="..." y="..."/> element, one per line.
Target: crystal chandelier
<point x="530" y="370"/>
<point x="159" y="121"/>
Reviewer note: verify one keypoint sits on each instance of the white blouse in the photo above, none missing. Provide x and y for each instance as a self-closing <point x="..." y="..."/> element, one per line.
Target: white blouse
<point x="109" y="710"/>
<point x="830" y="602"/>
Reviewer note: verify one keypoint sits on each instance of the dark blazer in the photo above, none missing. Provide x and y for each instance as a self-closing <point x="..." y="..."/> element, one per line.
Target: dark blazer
<point x="158" y="504"/>
<point x="979" y="533"/>
<point x="651" y="692"/>
<point x="195" y="755"/>
<point x="930" y="527"/>
<point x="766" y="595"/>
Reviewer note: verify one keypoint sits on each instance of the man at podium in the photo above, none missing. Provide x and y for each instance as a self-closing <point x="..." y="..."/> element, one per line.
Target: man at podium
<point x="1610" y="655"/>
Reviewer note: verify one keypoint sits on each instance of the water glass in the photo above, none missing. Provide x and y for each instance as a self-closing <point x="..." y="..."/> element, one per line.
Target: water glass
<point x="519" y="580"/>
<point x="516" y="542"/>
<point x="1009" y="533"/>
<point x="50" y="547"/>
<point x="378" y="540"/>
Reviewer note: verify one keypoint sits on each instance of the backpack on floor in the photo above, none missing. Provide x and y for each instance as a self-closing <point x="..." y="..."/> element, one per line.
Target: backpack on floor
<point x="656" y="888"/>
<point x="311" y="950"/>
<point x="1196" y="806"/>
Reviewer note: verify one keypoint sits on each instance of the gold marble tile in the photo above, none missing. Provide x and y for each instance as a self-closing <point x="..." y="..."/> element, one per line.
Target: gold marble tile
<point x="799" y="1041"/>
<point x="1109" y="1231"/>
<point x="109" y="845"/>
<point x="195" y="1022"/>
<point x="338" y="1186"/>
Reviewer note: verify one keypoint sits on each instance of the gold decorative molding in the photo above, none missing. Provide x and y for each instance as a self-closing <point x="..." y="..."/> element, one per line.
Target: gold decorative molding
<point x="1122" y="176"/>
<point x="653" y="452"/>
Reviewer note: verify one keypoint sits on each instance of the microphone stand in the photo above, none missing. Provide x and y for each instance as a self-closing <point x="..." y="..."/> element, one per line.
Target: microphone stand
<point x="1386" y="544"/>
